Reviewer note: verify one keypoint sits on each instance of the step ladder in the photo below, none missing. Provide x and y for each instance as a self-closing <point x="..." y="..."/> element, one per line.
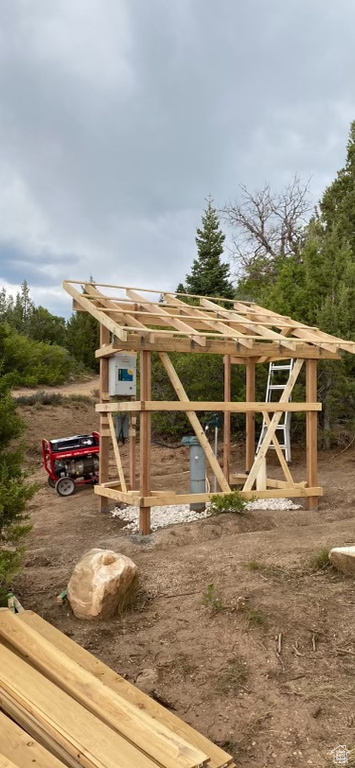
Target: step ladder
<point x="277" y="371"/>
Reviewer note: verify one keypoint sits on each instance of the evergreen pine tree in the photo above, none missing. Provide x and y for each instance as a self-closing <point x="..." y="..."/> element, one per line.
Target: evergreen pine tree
<point x="15" y="491"/>
<point x="209" y="275"/>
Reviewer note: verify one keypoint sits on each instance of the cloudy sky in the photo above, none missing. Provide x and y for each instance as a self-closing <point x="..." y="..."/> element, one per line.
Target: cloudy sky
<point x="118" y="118"/>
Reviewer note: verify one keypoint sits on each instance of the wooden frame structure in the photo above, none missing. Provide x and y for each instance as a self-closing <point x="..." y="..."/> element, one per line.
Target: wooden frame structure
<point x="138" y="320"/>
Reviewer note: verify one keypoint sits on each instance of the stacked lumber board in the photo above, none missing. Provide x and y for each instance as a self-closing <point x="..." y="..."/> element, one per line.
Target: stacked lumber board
<point x="78" y="712"/>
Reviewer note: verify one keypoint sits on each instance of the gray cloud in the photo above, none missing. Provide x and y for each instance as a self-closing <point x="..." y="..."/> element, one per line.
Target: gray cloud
<point x="118" y="117"/>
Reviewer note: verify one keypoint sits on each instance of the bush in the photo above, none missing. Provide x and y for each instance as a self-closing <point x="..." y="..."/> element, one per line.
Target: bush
<point x="15" y="491"/>
<point x="229" y="502"/>
<point x="26" y="362"/>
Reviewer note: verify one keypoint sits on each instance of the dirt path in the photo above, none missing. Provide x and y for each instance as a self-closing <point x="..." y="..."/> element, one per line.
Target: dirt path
<point x="86" y="387"/>
<point x="262" y="662"/>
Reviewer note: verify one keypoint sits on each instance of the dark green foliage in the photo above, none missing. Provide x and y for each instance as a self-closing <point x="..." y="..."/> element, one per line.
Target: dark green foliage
<point x="15" y="491"/>
<point x="83" y="339"/>
<point x="209" y="276"/>
<point x="47" y="327"/>
<point x="202" y="378"/>
<point x="316" y="285"/>
<point x="28" y="363"/>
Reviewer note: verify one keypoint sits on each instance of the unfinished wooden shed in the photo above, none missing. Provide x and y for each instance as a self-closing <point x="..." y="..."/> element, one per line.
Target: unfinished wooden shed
<point x="141" y="321"/>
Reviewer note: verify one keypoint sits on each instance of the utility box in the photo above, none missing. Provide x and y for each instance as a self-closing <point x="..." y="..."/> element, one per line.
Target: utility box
<point x="122" y="379"/>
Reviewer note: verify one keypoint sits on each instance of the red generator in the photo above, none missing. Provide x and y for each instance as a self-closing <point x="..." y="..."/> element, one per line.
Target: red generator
<point x="71" y="461"/>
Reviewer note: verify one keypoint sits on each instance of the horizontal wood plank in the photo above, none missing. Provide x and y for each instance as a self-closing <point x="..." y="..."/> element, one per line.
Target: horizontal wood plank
<point x="218" y="757"/>
<point x="15" y="745"/>
<point x="137" y="727"/>
<point x="206" y="405"/>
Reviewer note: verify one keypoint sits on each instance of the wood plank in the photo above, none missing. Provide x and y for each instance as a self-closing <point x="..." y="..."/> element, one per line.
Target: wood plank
<point x="15" y="745"/>
<point x="250" y="415"/>
<point x="110" y="306"/>
<point x="76" y="729"/>
<point x="214" y="323"/>
<point x="6" y="763"/>
<point x="145" y="440"/>
<point x="311" y="432"/>
<point x="96" y="313"/>
<point x="197" y="337"/>
<point x="112" y="493"/>
<point x="117" y="454"/>
<point x="227" y="417"/>
<point x="272" y="427"/>
<point x="267" y="333"/>
<point x="216" y="347"/>
<point x="207" y="405"/>
<point x="284" y="466"/>
<point x="284" y="493"/>
<point x="199" y="432"/>
<point x="30" y="725"/>
<point x="218" y="757"/>
<point x="131" y="733"/>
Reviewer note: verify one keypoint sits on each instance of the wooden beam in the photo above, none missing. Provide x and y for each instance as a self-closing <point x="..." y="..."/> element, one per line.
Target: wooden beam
<point x="132" y="450"/>
<point x="284" y="466"/>
<point x="145" y="441"/>
<point x="210" y="322"/>
<point x="197" y="337"/>
<point x="189" y="498"/>
<point x="104" y="454"/>
<point x="117" y="454"/>
<point x="110" y="306"/>
<point x="216" y="346"/>
<point x="111" y="492"/>
<point x="96" y="313"/>
<point x="267" y="333"/>
<point x="227" y="417"/>
<point x="250" y="415"/>
<point x="218" y="757"/>
<point x="207" y="405"/>
<point x="272" y="427"/>
<point x="199" y="432"/>
<point x="15" y="745"/>
<point x="311" y="431"/>
<point x="133" y="729"/>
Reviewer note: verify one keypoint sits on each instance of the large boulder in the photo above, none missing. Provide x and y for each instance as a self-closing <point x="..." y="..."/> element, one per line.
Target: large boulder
<point x="343" y="559"/>
<point x="102" y="584"/>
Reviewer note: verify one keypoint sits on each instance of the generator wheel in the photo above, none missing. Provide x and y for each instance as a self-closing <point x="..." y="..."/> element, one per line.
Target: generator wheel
<point x="65" y="486"/>
<point x="51" y="482"/>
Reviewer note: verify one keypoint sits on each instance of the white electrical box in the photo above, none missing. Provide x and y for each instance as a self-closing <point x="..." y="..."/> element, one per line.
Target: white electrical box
<point x="122" y="375"/>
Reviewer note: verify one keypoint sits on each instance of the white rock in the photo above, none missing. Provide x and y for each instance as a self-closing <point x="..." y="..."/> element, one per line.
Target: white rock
<point x="343" y="558"/>
<point x="181" y="513"/>
<point x="100" y="584"/>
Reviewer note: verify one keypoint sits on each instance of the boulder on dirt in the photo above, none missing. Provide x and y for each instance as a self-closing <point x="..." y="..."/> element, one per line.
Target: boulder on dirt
<point x="343" y="559"/>
<point x="102" y="584"/>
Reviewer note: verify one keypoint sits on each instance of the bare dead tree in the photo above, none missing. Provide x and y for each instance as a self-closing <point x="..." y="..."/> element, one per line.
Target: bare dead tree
<point x="266" y="224"/>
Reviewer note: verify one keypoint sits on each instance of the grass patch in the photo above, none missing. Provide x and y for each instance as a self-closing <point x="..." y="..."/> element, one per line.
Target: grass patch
<point x="53" y="398"/>
<point x="273" y="571"/>
<point x="319" y="560"/>
<point x="255" y="616"/>
<point x="233" y="677"/>
<point x="211" y="599"/>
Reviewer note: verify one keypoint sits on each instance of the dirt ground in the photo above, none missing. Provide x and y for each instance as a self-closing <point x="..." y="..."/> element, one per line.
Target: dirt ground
<point x="262" y="662"/>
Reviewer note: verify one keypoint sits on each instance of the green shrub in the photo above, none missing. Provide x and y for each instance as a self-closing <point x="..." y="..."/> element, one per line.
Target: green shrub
<point x="15" y="491"/>
<point x="229" y="502"/>
<point x="26" y="362"/>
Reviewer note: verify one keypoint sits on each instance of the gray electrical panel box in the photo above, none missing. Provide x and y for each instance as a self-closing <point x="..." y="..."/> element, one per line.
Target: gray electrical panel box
<point x="122" y="375"/>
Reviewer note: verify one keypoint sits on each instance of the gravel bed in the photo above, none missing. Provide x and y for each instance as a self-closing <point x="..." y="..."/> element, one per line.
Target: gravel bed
<point x="181" y="513"/>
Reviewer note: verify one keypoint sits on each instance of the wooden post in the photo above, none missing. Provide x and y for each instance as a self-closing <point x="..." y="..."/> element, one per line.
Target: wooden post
<point x="250" y="417"/>
<point x="227" y="418"/>
<point x="145" y="440"/>
<point x="311" y="431"/>
<point x="104" y="439"/>
<point x="132" y="451"/>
